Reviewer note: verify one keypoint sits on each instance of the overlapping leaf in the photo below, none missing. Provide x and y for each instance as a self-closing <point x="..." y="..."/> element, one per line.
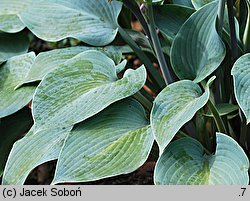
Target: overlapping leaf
<point x="46" y="62"/>
<point x="224" y="109"/>
<point x="9" y="15"/>
<point x="187" y="3"/>
<point x="12" y="45"/>
<point x="169" y="18"/>
<point x="93" y="22"/>
<point x="175" y="106"/>
<point x="36" y="148"/>
<point x="197" y="49"/>
<point x="82" y="87"/>
<point x="11" y="129"/>
<point x="11" y="74"/>
<point x="199" y="3"/>
<point x="10" y="23"/>
<point x="241" y="76"/>
<point x="185" y="162"/>
<point x="116" y="141"/>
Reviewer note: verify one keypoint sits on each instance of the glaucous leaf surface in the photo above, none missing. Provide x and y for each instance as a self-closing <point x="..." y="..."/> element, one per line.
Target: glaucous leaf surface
<point x="9" y="15"/>
<point x="116" y="141"/>
<point x="82" y="87"/>
<point x="241" y="77"/>
<point x="173" y="107"/>
<point x="169" y="18"/>
<point x="10" y="23"/>
<point x="11" y="74"/>
<point x="199" y="3"/>
<point x="224" y="109"/>
<point x="185" y="162"/>
<point x="155" y="1"/>
<point x="246" y="35"/>
<point x="93" y="22"/>
<point x="11" y="129"/>
<point x="187" y="3"/>
<point x="46" y="62"/>
<point x="12" y="45"/>
<point x="197" y="50"/>
<point x="36" y="148"/>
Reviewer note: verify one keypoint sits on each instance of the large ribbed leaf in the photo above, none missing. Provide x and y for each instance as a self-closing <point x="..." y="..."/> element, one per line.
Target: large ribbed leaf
<point x="36" y="148"/>
<point x="197" y="49"/>
<point x="169" y="18"/>
<point x="82" y="87"/>
<point x="187" y="3"/>
<point x="175" y="106"/>
<point x="224" y="109"/>
<point x="10" y="23"/>
<point x="93" y="22"/>
<point x="241" y="76"/>
<point x="11" y="74"/>
<point x="46" y="62"/>
<point x="9" y="11"/>
<point x="12" y="45"/>
<point x="11" y="129"/>
<point x="199" y="3"/>
<point x="185" y="162"/>
<point x="116" y="141"/>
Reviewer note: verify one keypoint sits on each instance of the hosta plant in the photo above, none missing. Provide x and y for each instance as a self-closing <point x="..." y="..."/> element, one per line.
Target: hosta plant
<point x="187" y="105"/>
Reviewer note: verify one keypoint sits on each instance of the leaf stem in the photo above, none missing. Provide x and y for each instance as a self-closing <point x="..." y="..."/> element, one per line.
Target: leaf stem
<point x="144" y="101"/>
<point x="234" y="46"/>
<point x="243" y="130"/>
<point x="217" y="118"/>
<point x="137" y="12"/>
<point x="147" y="95"/>
<point x="219" y="123"/>
<point x="153" y="71"/>
<point x="221" y="10"/>
<point x="157" y="46"/>
<point x="246" y="36"/>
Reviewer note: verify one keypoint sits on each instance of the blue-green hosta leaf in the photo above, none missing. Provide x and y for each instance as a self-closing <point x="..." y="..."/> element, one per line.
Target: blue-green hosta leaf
<point x="185" y="162"/>
<point x="169" y="18"/>
<point x="46" y="62"/>
<point x="11" y="74"/>
<point x="82" y="87"/>
<point x="199" y="3"/>
<point x="241" y="76"/>
<point x="12" y="45"/>
<point x="121" y="66"/>
<point x="224" y="109"/>
<point x="116" y="141"/>
<point x="9" y="15"/>
<point x="246" y="35"/>
<point x="36" y="148"/>
<point x="93" y="22"/>
<point x="197" y="49"/>
<point x="186" y="3"/>
<point x="10" y="23"/>
<point x="155" y="1"/>
<point x="11" y="129"/>
<point x="175" y="106"/>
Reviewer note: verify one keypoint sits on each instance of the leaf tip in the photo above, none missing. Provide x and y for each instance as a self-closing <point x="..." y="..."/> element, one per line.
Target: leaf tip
<point x="210" y="81"/>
